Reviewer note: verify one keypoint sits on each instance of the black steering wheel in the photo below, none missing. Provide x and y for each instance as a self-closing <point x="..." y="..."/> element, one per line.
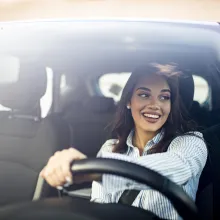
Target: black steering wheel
<point x="82" y="209"/>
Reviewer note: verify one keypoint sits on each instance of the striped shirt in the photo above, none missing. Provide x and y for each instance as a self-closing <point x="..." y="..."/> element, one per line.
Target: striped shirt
<point x="182" y="163"/>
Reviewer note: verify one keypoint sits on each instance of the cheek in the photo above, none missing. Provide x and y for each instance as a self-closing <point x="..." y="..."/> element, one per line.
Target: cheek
<point x="135" y="111"/>
<point x="167" y="109"/>
<point x="136" y="107"/>
<point x="138" y="104"/>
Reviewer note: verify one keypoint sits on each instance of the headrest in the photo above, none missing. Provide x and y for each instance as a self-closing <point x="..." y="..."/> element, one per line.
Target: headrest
<point x="24" y="94"/>
<point x="186" y="89"/>
<point x="99" y="104"/>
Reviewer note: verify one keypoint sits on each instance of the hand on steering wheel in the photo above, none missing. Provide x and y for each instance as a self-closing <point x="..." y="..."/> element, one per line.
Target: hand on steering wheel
<point x="57" y="172"/>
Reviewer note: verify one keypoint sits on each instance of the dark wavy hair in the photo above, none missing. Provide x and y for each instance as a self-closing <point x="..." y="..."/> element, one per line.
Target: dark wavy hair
<point x="177" y="123"/>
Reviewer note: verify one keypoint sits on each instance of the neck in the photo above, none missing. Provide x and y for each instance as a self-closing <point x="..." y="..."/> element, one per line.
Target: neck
<point x="141" y="138"/>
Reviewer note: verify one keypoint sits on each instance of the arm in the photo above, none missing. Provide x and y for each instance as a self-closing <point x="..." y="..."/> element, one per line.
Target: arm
<point x="106" y="147"/>
<point x="186" y="157"/>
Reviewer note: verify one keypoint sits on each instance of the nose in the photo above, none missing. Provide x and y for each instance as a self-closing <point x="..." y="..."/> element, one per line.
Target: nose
<point x="153" y="105"/>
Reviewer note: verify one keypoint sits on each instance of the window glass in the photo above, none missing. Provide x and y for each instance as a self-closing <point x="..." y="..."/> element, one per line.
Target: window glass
<point x="111" y="85"/>
<point x="47" y="99"/>
<point x="201" y="89"/>
<point x="13" y="70"/>
<point x="63" y="85"/>
<point x="9" y="72"/>
<point x="9" y="69"/>
<point x="63" y="81"/>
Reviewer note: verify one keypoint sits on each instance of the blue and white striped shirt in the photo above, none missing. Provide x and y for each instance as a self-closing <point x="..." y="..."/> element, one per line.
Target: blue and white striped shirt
<point x="182" y="163"/>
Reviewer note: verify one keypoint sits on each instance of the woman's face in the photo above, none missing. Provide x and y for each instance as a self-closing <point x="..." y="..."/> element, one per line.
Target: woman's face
<point x="150" y="103"/>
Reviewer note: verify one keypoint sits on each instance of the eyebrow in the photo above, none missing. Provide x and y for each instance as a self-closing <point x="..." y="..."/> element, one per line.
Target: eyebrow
<point x="143" y="88"/>
<point x="166" y="90"/>
<point x="146" y="89"/>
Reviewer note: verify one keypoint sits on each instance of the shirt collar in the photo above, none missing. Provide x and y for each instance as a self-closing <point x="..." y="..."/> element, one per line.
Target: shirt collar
<point x="155" y="140"/>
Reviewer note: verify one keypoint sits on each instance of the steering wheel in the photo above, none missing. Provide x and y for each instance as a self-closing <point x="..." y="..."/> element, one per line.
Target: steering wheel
<point x="81" y="209"/>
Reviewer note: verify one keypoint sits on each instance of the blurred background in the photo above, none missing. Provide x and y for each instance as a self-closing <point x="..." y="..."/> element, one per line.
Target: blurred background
<point x="205" y="10"/>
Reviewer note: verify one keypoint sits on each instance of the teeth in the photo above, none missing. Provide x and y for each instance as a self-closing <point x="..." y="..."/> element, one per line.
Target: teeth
<point x="151" y="116"/>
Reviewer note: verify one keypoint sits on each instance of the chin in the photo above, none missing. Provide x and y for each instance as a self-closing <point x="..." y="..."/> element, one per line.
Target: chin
<point x="152" y="130"/>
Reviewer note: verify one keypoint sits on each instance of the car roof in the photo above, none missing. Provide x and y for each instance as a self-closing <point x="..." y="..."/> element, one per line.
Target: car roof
<point x="102" y="46"/>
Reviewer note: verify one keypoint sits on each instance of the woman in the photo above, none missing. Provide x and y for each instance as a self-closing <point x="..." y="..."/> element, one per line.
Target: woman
<point x="152" y="131"/>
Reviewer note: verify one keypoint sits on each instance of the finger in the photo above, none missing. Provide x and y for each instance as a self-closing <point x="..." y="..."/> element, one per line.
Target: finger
<point x="51" y="166"/>
<point x="77" y="154"/>
<point x="67" y="174"/>
<point x="57" y="153"/>
<point x="50" y="175"/>
<point x="52" y="181"/>
<point x="59" y="175"/>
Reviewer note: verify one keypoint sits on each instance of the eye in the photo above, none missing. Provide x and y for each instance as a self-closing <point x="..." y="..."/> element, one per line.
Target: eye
<point x="144" y="95"/>
<point x="164" y="97"/>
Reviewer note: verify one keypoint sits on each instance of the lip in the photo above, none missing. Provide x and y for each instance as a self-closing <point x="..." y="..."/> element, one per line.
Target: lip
<point x="151" y="120"/>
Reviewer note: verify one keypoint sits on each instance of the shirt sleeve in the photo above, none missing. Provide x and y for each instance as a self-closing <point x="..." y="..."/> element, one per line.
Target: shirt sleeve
<point x="98" y="193"/>
<point x="185" y="157"/>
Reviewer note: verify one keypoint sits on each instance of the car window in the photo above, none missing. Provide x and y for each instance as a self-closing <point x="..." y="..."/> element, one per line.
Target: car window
<point x="11" y="65"/>
<point x="201" y="92"/>
<point x="112" y="84"/>
<point x="47" y="99"/>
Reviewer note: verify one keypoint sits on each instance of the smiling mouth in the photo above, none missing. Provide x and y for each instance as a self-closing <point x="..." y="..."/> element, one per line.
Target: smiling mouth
<point x="152" y="118"/>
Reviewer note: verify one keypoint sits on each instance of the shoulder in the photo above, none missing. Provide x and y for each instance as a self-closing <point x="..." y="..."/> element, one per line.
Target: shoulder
<point x="107" y="146"/>
<point x="190" y="136"/>
<point x="192" y="141"/>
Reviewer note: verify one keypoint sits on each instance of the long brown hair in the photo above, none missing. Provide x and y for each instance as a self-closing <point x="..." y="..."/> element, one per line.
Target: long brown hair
<point x="177" y="123"/>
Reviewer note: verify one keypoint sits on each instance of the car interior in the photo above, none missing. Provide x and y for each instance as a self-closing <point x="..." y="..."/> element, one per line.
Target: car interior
<point x="64" y="93"/>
